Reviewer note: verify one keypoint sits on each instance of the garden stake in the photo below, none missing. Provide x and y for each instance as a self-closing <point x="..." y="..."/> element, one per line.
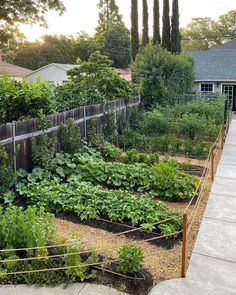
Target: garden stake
<point x="212" y="162"/>
<point x="14" y="144"/>
<point x="184" y="246"/>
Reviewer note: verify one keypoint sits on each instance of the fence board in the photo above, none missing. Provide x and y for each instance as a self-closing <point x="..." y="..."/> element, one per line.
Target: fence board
<point x="27" y="129"/>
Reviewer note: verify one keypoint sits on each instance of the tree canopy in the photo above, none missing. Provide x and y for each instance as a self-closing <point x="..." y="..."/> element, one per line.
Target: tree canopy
<point x="175" y="32"/>
<point x="108" y="14"/>
<point x="166" y="26"/>
<point x="28" y="11"/>
<point x="134" y="28"/>
<point x="156" y="22"/>
<point x="205" y="33"/>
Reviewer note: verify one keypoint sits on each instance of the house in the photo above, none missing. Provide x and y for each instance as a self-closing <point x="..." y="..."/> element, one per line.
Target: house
<point x="215" y="70"/>
<point x="14" y="72"/>
<point x="54" y="73"/>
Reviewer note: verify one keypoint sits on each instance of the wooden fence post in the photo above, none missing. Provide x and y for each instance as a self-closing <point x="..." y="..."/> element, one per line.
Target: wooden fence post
<point x="184" y="246"/>
<point x="222" y="137"/>
<point x="14" y="145"/>
<point x="212" y="162"/>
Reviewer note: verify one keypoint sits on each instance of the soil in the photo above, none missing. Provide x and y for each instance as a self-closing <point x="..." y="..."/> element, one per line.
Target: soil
<point x="140" y="284"/>
<point x="162" y="259"/>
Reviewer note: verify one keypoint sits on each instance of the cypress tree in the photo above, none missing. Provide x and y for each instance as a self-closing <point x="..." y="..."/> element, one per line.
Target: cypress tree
<point x="145" y="38"/>
<point x="134" y="28"/>
<point x="108" y="13"/>
<point x="175" y="33"/>
<point x="156" y="23"/>
<point x="166" y="26"/>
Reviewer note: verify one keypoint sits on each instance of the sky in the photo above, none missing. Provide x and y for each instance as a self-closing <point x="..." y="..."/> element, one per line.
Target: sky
<point x="82" y="15"/>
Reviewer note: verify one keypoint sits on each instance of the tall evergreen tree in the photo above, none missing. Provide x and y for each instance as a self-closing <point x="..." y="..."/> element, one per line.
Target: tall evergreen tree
<point x="134" y="28"/>
<point x="145" y="36"/>
<point x="108" y="14"/>
<point x="175" y="33"/>
<point x="166" y="26"/>
<point x="156" y="23"/>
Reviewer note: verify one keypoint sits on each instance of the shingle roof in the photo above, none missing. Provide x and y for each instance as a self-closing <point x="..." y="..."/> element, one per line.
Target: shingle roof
<point x="214" y="65"/>
<point x="12" y="70"/>
<point x="231" y="45"/>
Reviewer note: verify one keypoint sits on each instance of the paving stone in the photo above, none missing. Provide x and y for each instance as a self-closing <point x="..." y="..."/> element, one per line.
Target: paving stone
<point x="221" y="207"/>
<point x="217" y="238"/>
<point x="72" y="289"/>
<point x="210" y="271"/>
<point x="224" y="186"/>
<point x="93" y="289"/>
<point x="228" y="171"/>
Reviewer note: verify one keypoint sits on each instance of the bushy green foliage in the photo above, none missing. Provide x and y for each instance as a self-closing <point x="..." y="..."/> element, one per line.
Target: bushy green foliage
<point x="70" y="137"/>
<point x="30" y="228"/>
<point x="133" y="139"/>
<point x="6" y="172"/>
<point x="131" y="259"/>
<point x="155" y="123"/>
<point x="161" y="76"/>
<point x="44" y="151"/>
<point x="89" y="202"/>
<point x="22" y="100"/>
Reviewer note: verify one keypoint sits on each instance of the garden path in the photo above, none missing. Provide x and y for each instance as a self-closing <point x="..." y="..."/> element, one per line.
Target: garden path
<point x="212" y="268"/>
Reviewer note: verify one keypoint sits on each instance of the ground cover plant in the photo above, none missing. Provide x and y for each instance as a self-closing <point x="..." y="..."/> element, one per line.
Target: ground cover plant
<point x="188" y="129"/>
<point x="89" y="202"/>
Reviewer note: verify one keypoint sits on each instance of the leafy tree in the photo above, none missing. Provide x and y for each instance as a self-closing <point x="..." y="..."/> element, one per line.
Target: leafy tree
<point x="85" y="45"/>
<point x="116" y="45"/>
<point x="205" y="33"/>
<point x="156" y="23"/>
<point x="108" y="14"/>
<point x="166" y="26"/>
<point x="95" y="82"/>
<point x="162" y="77"/>
<point x="134" y="28"/>
<point x="145" y="36"/>
<point x="28" y="11"/>
<point x="175" y="33"/>
<point x="11" y="39"/>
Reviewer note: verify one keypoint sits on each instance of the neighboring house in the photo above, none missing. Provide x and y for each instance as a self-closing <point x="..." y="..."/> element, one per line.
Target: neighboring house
<point x="53" y="73"/>
<point x="124" y="73"/>
<point x="215" y="70"/>
<point x="14" y="72"/>
<point x="57" y="73"/>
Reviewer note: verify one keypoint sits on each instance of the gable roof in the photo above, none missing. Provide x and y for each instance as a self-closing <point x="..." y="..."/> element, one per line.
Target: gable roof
<point x="63" y="67"/>
<point x="13" y="71"/>
<point x="231" y="45"/>
<point x="218" y="64"/>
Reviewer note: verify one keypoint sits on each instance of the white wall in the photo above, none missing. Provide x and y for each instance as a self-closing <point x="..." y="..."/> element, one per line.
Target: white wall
<point x="52" y="74"/>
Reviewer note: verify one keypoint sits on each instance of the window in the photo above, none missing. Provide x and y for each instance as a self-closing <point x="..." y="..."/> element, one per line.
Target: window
<point x="206" y="87"/>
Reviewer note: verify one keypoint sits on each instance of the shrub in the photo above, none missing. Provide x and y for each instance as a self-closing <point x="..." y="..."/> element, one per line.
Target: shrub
<point x="22" y="100"/>
<point x="155" y="123"/>
<point x="30" y="228"/>
<point x="70" y="137"/>
<point x="133" y="139"/>
<point x="131" y="259"/>
<point x="44" y="151"/>
<point x="6" y="171"/>
<point x="161" y="76"/>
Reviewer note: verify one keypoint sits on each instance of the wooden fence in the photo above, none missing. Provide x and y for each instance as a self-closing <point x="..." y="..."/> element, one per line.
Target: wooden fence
<point x="21" y="132"/>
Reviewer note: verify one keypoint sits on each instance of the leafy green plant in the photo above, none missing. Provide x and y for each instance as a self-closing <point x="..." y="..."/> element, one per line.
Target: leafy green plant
<point x="70" y="137"/>
<point x="30" y="228"/>
<point x="6" y="171"/>
<point x="89" y="202"/>
<point x="131" y="259"/>
<point x="43" y="151"/>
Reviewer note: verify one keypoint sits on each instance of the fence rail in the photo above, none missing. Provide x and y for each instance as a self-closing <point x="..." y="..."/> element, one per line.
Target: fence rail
<point x="21" y="132"/>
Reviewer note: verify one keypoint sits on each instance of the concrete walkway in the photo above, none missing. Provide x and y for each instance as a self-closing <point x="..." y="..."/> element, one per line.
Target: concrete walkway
<point x="73" y="289"/>
<point x="212" y="268"/>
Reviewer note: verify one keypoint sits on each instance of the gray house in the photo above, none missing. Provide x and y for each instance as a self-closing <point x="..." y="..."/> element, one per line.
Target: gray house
<point x="53" y="73"/>
<point x="215" y="70"/>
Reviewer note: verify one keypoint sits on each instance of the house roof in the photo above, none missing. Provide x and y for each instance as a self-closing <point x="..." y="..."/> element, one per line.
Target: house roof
<point x="124" y="73"/>
<point x="12" y="70"/>
<point x="218" y="64"/>
<point x="231" y="45"/>
<point x="64" y="67"/>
